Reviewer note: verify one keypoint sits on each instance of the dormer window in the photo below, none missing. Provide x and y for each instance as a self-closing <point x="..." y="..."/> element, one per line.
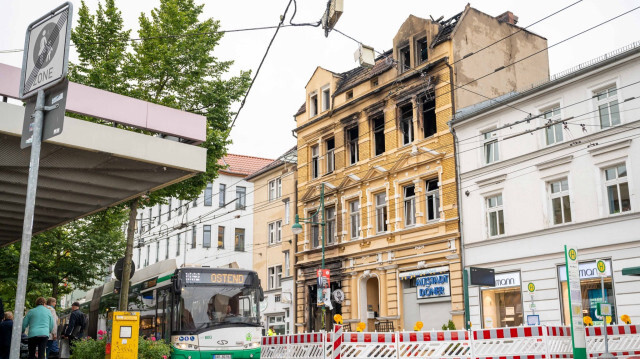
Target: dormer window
<point x="326" y="99"/>
<point x="349" y="95"/>
<point x="421" y="50"/>
<point x="405" y="59"/>
<point x="374" y="82"/>
<point x="313" y="104"/>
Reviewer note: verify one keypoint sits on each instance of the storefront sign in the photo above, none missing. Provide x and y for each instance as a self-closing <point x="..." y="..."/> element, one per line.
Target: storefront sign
<point x="510" y="279"/>
<point x="433" y="286"/>
<point x="587" y="270"/>
<point x="422" y="272"/>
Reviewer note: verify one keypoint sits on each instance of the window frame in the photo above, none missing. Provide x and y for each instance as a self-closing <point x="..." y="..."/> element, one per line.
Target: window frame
<point x="428" y="106"/>
<point x="406" y="120"/>
<point x="221" y="235"/>
<point x="275" y="277"/>
<point x="381" y="213"/>
<point x="326" y="98"/>
<point x="499" y="210"/>
<point x="419" y="50"/>
<point x="436" y="199"/>
<point x="616" y="182"/>
<point x="330" y="225"/>
<point x="194" y="236"/>
<point x="354" y="219"/>
<point x="208" y="194"/>
<point x="353" y="150"/>
<point x="404" y="55"/>
<point x="492" y="142"/>
<point x="552" y="114"/>
<point x="239" y="240"/>
<point x="287" y="210"/>
<point x="287" y="264"/>
<point x="222" y="195"/>
<point x="241" y="197"/>
<point x="608" y="100"/>
<point x="330" y="156"/>
<point x="315" y="161"/>
<point x="313" y="104"/>
<point x="275" y="188"/>
<point x="561" y="194"/>
<point x="378" y="134"/>
<point x="206" y="229"/>
<point x="274" y="229"/>
<point x="409" y="206"/>
<point x="314" y="230"/>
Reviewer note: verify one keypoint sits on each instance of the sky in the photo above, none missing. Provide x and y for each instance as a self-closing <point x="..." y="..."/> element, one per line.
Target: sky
<point x="264" y="126"/>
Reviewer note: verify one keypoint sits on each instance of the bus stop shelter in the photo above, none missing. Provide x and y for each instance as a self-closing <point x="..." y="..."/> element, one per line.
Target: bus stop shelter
<point x="92" y="166"/>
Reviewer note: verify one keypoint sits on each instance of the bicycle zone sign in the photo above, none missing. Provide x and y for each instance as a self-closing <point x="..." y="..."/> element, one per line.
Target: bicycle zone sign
<point x="46" y="51"/>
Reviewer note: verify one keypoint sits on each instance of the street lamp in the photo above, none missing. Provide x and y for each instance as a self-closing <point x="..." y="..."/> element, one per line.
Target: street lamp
<point x="296" y="228"/>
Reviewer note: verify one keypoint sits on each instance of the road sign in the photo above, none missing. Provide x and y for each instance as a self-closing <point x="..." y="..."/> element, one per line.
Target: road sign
<point x="603" y="309"/>
<point x="531" y="287"/>
<point x="601" y="266"/>
<point x="578" y="335"/>
<point x="117" y="270"/>
<point x="46" y="51"/>
<point x="56" y="100"/>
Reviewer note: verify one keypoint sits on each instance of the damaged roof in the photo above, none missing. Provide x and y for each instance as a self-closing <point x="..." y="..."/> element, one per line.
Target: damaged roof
<point x="360" y="74"/>
<point x="446" y="28"/>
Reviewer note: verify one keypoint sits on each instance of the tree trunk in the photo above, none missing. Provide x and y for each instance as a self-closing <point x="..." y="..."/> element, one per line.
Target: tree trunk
<point x="54" y="290"/>
<point x="128" y="253"/>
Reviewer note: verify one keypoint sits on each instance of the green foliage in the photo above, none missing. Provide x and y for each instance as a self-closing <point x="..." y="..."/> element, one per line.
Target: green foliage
<point x="148" y="349"/>
<point x="89" y="348"/>
<point x="449" y="326"/>
<point x="79" y="252"/>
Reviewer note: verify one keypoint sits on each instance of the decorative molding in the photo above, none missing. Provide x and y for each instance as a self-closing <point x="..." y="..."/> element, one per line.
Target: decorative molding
<point x="597" y="151"/>
<point x="555" y="162"/>
<point x="491" y="180"/>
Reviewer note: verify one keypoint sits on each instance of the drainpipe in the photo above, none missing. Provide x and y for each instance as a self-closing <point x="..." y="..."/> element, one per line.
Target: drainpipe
<point x="465" y="276"/>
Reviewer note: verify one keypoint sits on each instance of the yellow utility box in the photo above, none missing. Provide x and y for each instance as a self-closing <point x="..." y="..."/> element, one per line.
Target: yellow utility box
<point x="125" y="329"/>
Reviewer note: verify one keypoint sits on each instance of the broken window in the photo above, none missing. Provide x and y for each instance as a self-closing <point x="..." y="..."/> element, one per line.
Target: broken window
<point x="352" y="141"/>
<point x="429" y="115"/>
<point x="378" y="135"/>
<point x="331" y="144"/>
<point x="405" y="59"/>
<point x="406" y="123"/>
<point x="422" y="50"/>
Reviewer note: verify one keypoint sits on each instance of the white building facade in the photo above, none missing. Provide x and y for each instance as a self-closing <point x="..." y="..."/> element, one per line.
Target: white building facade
<point x="215" y="230"/>
<point x="554" y="165"/>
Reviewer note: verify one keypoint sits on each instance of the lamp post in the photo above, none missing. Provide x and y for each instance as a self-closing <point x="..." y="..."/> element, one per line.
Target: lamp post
<point x="296" y="228"/>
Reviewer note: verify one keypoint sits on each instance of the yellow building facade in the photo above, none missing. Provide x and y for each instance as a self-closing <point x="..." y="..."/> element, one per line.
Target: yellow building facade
<point x="377" y="141"/>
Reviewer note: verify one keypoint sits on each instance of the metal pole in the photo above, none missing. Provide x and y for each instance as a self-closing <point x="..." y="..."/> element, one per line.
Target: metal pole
<point x="27" y="226"/>
<point x="465" y="290"/>
<point x="322" y="224"/>
<point x="604" y="319"/>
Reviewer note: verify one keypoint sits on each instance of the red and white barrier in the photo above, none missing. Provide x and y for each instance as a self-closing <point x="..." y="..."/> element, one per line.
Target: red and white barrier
<point x="559" y="342"/>
<point x="517" y="342"/>
<point x="369" y="345"/>
<point x="275" y="347"/>
<point x="435" y="344"/>
<point x="624" y="340"/>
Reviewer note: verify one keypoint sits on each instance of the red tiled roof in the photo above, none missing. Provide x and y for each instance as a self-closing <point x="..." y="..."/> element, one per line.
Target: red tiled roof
<point x="242" y="165"/>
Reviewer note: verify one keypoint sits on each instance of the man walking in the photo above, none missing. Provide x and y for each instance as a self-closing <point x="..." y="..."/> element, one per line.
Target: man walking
<point x="5" y="335"/>
<point x="52" y="344"/>
<point x="75" y="328"/>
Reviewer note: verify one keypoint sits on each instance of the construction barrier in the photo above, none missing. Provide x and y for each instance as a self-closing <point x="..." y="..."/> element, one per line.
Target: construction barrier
<point x="532" y="342"/>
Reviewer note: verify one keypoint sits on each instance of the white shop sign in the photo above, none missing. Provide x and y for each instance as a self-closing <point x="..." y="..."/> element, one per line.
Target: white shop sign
<point x="503" y="280"/>
<point x="588" y="270"/>
<point x="433" y="286"/>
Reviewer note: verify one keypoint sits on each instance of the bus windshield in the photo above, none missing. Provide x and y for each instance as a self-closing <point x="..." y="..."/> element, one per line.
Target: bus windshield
<point x="210" y="306"/>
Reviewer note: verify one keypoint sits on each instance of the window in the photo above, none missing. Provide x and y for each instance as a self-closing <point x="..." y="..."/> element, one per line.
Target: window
<point x="275" y="232"/>
<point x="354" y="216"/>
<point x="157" y="251"/>
<point x="374" y="82"/>
<point x="349" y="95"/>
<point x="352" y="141"/>
<point x="151" y="218"/>
<point x="490" y="147"/>
<point x="313" y="104"/>
<point x="433" y="200"/>
<point x="421" y="50"/>
<point x="315" y="162"/>
<point x="275" y="277"/>
<point x="315" y="230"/>
<point x="406" y="123"/>
<point x="206" y="236"/>
<point x="607" y="102"/>
<point x="502" y="304"/>
<point x="287" y="211"/>
<point x="195" y="202"/>
<point x="146" y="261"/>
<point x="179" y="241"/>
<point x="326" y="99"/>
<point x="222" y="195"/>
<point x="166" y="255"/>
<point x="378" y="134"/>
<point x="139" y="256"/>
<point x="409" y="205"/>
<point x="220" y="237"/>
<point x="208" y="194"/>
<point x="241" y="197"/>
<point x="139" y="224"/>
<point x="287" y="263"/>
<point x="239" y="239"/>
<point x="160" y="213"/>
<point x="553" y="133"/>
<point x="168" y="212"/>
<point x="275" y="189"/>
<point x="495" y="217"/>
<point x="330" y="219"/>
<point x="277" y="298"/>
<point x="194" y="235"/>
<point x="330" y="156"/>
<point x="560" y="203"/>
<point x="381" y="212"/>
<point x="405" y="59"/>
<point x="277" y="323"/>
<point x="429" y="115"/>
<point x="179" y="207"/>
<point x="591" y="292"/>
<point x="617" y="186"/>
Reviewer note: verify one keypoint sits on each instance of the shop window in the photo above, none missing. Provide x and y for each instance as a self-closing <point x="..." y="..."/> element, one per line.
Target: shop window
<point x="352" y="141"/>
<point x="381" y="212"/>
<point x="608" y="111"/>
<point x="406" y="123"/>
<point x="433" y="200"/>
<point x="330" y="156"/>
<point x="617" y="186"/>
<point x="429" y="115"/>
<point x="591" y="292"/>
<point x="409" y="205"/>
<point x="502" y="305"/>
<point x="560" y="203"/>
<point x="354" y="215"/>
<point x="553" y="133"/>
<point x="378" y="134"/>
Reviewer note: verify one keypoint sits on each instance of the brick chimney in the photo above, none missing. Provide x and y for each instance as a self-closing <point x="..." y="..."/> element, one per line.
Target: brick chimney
<point x="507" y="16"/>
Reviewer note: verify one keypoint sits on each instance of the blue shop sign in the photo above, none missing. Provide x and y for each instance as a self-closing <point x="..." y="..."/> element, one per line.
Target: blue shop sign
<point x="433" y="286"/>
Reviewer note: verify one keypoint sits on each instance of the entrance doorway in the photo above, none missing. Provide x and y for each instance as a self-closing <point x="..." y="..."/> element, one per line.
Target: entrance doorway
<point x="369" y="300"/>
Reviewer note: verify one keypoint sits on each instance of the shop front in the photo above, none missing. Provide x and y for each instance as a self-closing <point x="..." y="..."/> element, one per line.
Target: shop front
<point x="591" y="290"/>
<point x="502" y="304"/>
<point x="426" y="297"/>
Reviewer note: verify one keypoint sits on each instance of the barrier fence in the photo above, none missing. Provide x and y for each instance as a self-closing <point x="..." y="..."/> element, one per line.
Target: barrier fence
<point x="501" y="343"/>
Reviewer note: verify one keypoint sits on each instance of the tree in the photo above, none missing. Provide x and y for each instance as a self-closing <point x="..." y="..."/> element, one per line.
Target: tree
<point x="173" y="65"/>
<point x="74" y="255"/>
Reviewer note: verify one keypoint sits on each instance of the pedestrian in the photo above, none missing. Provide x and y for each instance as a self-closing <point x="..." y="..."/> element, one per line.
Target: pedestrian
<point x="5" y="335"/>
<point x="271" y="332"/>
<point x="52" y="343"/>
<point x="39" y="321"/>
<point x="75" y="328"/>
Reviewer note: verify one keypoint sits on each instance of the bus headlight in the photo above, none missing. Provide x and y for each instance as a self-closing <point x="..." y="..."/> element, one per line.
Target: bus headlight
<point x="182" y="346"/>
<point x="252" y="345"/>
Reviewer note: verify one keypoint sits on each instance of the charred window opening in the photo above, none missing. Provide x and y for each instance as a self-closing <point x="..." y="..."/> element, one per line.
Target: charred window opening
<point x="405" y="59"/>
<point x="422" y="50"/>
<point x="429" y="115"/>
<point x="378" y="134"/>
<point x="352" y="141"/>
<point x="406" y="123"/>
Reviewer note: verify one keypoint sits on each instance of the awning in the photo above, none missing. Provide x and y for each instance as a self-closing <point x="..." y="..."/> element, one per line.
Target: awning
<point x="422" y="272"/>
<point x="631" y="271"/>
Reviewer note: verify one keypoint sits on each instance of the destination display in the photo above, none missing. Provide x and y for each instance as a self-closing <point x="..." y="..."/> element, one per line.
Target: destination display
<point x="226" y="278"/>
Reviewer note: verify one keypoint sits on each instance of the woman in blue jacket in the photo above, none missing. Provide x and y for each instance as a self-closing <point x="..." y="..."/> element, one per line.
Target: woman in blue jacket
<point x="40" y="323"/>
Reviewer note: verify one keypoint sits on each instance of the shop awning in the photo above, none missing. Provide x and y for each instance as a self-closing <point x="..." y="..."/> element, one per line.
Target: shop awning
<point x="631" y="271"/>
<point x="423" y="272"/>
